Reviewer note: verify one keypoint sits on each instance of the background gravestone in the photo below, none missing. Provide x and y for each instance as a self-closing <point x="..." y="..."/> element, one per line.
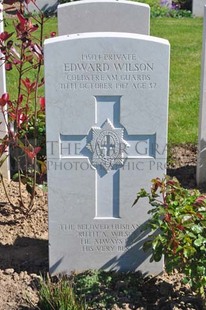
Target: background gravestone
<point x="106" y="116"/>
<point x="198" y="7"/>
<point x="103" y="15"/>
<point x="49" y="6"/>
<point x="5" y="168"/>
<point x="201" y="155"/>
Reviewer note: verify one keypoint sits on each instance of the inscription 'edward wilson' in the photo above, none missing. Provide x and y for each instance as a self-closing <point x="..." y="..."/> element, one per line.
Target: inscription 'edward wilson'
<point x="104" y="67"/>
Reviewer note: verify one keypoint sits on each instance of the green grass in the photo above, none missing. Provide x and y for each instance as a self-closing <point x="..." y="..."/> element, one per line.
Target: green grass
<point x="58" y="295"/>
<point x="185" y="37"/>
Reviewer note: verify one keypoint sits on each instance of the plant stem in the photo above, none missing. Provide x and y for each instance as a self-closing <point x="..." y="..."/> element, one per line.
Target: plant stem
<point x="35" y="116"/>
<point x="5" y="190"/>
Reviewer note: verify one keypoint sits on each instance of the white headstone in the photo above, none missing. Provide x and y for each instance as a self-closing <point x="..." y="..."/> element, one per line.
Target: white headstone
<point x="201" y="156"/>
<point x="44" y="5"/>
<point x="5" y="168"/>
<point x="198" y="7"/>
<point x="103" y="15"/>
<point x="106" y="116"/>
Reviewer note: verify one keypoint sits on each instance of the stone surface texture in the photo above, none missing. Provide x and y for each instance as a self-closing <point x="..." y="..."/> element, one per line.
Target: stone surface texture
<point x="107" y="106"/>
<point x="198" y="8"/>
<point x="103" y="15"/>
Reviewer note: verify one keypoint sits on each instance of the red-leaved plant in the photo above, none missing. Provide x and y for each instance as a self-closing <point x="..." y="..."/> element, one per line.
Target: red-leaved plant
<point x="178" y="230"/>
<point x="24" y="109"/>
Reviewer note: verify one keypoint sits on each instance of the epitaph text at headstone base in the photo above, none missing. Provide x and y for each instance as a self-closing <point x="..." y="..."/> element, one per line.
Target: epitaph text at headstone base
<point x="201" y="155"/>
<point x="5" y="170"/>
<point x="103" y="15"/>
<point x="107" y="101"/>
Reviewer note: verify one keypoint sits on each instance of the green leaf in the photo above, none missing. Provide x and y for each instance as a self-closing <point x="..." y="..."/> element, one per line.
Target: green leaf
<point x="141" y="194"/>
<point x="177" y="225"/>
<point x="29" y="189"/>
<point x="157" y="256"/>
<point x="197" y="229"/>
<point x="185" y="280"/>
<point x="43" y="187"/>
<point x="188" y="251"/>
<point x="15" y="177"/>
<point x="203" y="248"/>
<point x="147" y="245"/>
<point x="186" y="218"/>
<point x="190" y="234"/>
<point x="201" y="270"/>
<point x="198" y="242"/>
<point x="155" y="244"/>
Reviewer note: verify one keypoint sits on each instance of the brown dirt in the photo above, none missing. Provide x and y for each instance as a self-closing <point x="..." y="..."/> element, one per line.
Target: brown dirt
<point x="24" y="249"/>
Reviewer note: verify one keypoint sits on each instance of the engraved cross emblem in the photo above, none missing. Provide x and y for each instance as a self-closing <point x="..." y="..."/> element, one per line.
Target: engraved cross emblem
<point x="109" y="146"/>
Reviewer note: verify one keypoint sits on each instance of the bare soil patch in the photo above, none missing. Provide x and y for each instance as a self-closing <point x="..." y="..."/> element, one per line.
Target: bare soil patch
<point x="24" y="251"/>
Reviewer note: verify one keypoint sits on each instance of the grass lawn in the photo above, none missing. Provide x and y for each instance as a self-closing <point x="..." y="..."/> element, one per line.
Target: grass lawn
<point x="12" y="76"/>
<point x="185" y="37"/>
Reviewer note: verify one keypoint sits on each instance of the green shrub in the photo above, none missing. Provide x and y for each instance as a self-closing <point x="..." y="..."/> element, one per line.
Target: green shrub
<point x="161" y="9"/>
<point x="183" y="4"/>
<point x="179" y="217"/>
